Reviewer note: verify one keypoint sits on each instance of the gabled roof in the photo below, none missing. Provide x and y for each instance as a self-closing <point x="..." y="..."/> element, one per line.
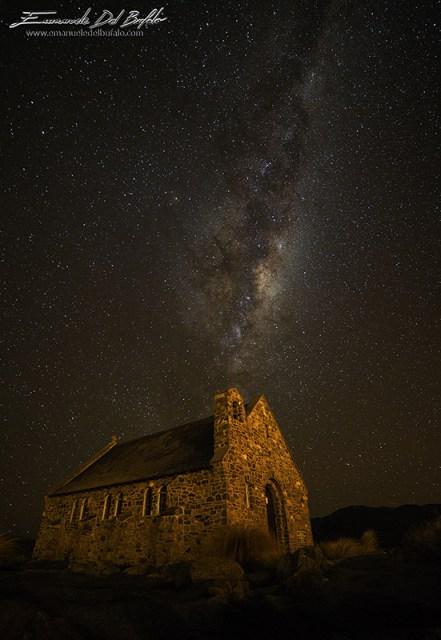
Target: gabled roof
<point x="179" y="450"/>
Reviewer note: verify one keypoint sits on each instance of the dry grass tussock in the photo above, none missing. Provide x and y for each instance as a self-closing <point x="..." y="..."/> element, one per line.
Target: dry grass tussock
<point x="9" y="547"/>
<point x="245" y="545"/>
<point x="350" y="547"/>
<point x="426" y="540"/>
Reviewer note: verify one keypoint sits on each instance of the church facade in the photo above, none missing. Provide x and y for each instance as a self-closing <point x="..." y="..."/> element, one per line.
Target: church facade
<point x="159" y="498"/>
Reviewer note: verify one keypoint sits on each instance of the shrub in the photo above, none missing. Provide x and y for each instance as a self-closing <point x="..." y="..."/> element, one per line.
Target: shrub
<point x="426" y="539"/>
<point x="9" y="547"/>
<point x="350" y="547"/>
<point x="247" y="546"/>
<point x="369" y="541"/>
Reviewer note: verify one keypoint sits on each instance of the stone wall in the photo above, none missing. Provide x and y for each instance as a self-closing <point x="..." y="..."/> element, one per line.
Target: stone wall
<point x="77" y="526"/>
<point x="259" y="462"/>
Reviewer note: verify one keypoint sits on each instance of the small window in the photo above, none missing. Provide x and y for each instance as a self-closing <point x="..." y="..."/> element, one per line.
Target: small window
<point x="147" y="504"/>
<point x="236" y="410"/>
<point x="83" y="509"/>
<point x="118" y="505"/>
<point x="162" y="506"/>
<point x="248" y="495"/>
<point x="73" y="511"/>
<point x="106" y="508"/>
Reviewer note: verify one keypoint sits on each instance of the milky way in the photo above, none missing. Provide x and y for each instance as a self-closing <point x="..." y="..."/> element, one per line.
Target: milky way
<point x="252" y="236"/>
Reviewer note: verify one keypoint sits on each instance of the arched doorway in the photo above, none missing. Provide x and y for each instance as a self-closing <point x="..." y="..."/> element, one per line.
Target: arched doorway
<point x="275" y="513"/>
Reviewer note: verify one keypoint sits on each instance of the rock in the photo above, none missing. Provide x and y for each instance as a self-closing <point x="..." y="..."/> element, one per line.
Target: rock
<point x="214" y="568"/>
<point x="138" y="570"/>
<point x="107" y="569"/>
<point x="178" y="574"/>
<point x="307" y="559"/>
<point x="95" y="568"/>
<point x="46" y="565"/>
<point x="261" y="578"/>
<point x="311" y="579"/>
<point x="156" y="581"/>
<point x="80" y="567"/>
<point x="220" y="577"/>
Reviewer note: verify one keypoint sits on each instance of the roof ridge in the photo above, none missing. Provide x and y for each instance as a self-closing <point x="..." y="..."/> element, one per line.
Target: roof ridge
<point x="87" y="464"/>
<point x="164" y="431"/>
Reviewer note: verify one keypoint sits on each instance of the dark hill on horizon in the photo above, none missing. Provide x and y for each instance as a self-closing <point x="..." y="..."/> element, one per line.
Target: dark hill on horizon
<point x="391" y="524"/>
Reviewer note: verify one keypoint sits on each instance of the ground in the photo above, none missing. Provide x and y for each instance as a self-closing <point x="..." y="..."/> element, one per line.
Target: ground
<point x="386" y="596"/>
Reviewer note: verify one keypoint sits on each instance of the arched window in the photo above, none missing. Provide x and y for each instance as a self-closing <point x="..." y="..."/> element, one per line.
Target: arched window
<point x="162" y="504"/>
<point x="271" y="510"/>
<point x="147" y="504"/>
<point x="276" y="515"/>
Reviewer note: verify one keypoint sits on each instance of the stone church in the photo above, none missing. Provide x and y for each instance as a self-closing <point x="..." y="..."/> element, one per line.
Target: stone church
<point x="158" y="498"/>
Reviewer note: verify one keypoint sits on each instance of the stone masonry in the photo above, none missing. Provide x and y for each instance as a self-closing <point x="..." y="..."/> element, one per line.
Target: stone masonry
<point x="244" y="477"/>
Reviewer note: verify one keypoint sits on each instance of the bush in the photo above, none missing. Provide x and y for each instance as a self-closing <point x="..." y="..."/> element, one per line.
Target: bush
<point x="350" y="547"/>
<point x="369" y="542"/>
<point x="11" y="551"/>
<point x="247" y="546"/>
<point x="426" y="540"/>
<point x="9" y="547"/>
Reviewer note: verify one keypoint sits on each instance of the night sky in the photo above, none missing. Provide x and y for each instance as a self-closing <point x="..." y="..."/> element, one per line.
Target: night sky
<point x="246" y="195"/>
